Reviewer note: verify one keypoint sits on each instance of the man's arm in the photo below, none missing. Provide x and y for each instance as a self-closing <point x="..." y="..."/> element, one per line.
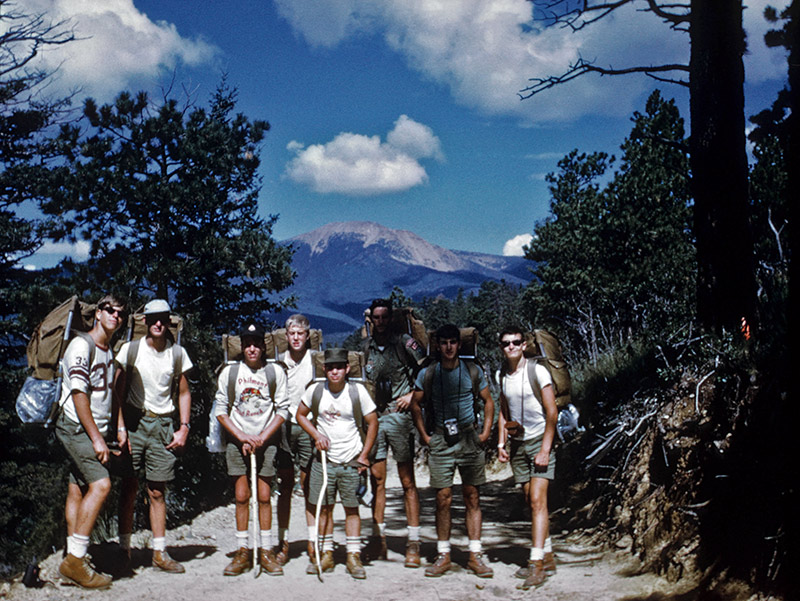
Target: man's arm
<point x="321" y="441"/>
<point x="371" y="420"/>
<point x="416" y="413"/>
<point x="502" y="435"/>
<point x="117" y="415"/>
<point x="84" y="410"/>
<point x="542" y="458"/>
<point x="185" y="411"/>
<point x="488" y="414"/>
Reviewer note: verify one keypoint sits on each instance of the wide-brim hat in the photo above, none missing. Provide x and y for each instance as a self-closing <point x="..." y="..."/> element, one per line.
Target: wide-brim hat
<point x="335" y="355"/>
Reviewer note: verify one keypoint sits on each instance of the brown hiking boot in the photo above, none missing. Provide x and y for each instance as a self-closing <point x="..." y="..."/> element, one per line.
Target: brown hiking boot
<point x="354" y="566"/>
<point x="242" y="562"/>
<point x="78" y="571"/>
<point x="165" y="563"/>
<point x="536" y="575"/>
<point x="327" y="561"/>
<point x="550" y="562"/>
<point x="376" y="548"/>
<point x="413" y="559"/>
<point x="549" y="566"/>
<point x="282" y="556"/>
<point x="440" y="566"/>
<point x="269" y="563"/>
<point x="476" y="566"/>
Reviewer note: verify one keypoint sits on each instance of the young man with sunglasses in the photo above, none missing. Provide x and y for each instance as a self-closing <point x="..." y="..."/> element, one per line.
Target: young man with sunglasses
<point x="145" y="426"/>
<point x="528" y="416"/>
<point x="454" y="444"/>
<point x="86" y="411"/>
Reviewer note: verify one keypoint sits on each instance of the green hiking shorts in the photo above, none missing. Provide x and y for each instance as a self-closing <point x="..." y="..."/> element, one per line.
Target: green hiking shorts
<point x="149" y="438"/>
<point x="522" y="456"/>
<point x="342" y="477"/>
<point x="466" y="455"/>
<point x="84" y="467"/>
<point x="239" y="465"/>
<point x="395" y="431"/>
<point x="301" y="448"/>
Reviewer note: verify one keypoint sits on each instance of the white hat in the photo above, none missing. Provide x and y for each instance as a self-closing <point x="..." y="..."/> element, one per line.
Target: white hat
<point x="157" y="305"/>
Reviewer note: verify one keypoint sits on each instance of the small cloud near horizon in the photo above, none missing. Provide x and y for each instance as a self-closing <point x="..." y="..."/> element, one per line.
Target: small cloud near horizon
<point x="514" y="246"/>
<point x="361" y="165"/>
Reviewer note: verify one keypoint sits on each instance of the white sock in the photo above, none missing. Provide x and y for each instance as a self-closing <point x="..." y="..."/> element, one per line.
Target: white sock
<point x="326" y="544"/>
<point x="312" y="533"/>
<point x="353" y="544"/>
<point x="537" y="554"/>
<point x="548" y="545"/>
<point x="443" y="546"/>
<point x="413" y="533"/>
<point x="266" y="539"/>
<point x="80" y="545"/>
<point x="160" y="543"/>
<point x="243" y="539"/>
<point x="378" y="529"/>
<point x="475" y="546"/>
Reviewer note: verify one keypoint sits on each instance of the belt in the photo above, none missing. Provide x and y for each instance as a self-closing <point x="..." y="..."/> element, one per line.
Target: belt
<point x="148" y="413"/>
<point x="461" y="429"/>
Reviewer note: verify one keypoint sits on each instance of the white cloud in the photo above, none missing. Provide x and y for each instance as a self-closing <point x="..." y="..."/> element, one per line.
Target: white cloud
<point x="361" y="165"/>
<point x="513" y="247"/>
<point x="116" y="44"/>
<point x="485" y="51"/>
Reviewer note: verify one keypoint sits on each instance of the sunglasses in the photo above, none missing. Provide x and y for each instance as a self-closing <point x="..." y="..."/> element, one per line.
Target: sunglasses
<point x="155" y="317"/>
<point x="507" y="343"/>
<point x="112" y="310"/>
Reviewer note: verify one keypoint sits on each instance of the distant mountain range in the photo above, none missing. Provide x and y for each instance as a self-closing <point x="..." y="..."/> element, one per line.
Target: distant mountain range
<point x="342" y="267"/>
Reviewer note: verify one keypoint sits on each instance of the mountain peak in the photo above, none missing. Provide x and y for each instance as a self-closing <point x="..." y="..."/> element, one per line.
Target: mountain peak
<point x="402" y="245"/>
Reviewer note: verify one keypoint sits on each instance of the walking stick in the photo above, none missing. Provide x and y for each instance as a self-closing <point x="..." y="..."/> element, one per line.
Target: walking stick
<point x="254" y="511"/>
<point x="324" y="459"/>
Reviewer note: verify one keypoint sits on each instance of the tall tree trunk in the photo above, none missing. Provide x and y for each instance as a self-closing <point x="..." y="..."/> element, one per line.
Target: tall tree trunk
<point x="726" y="279"/>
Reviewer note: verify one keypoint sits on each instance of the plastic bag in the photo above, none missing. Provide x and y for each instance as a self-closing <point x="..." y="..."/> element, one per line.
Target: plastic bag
<point x="37" y="402"/>
<point x="214" y="442"/>
<point x="567" y="425"/>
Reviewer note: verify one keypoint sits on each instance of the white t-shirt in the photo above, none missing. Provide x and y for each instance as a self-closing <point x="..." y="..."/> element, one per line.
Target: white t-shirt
<point x="336" y="420"/>
<point x="515" y="388"/>
<point x="300" y="376"/>
<point x="253" y="409"/>
<point x="151" y="378"/>
<point x="95" y="381"/>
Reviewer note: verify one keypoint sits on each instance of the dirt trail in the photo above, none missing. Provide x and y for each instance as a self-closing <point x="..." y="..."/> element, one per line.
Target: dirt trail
<point x="584" y="573"/>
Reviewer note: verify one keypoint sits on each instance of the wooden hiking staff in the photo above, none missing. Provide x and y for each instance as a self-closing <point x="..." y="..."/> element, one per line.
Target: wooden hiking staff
<point x="254" y="512"/>
<point x="324" y="458"/>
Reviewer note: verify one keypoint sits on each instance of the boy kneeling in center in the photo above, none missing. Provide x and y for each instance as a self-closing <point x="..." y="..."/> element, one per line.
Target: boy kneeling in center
<point x="334" y="407"/>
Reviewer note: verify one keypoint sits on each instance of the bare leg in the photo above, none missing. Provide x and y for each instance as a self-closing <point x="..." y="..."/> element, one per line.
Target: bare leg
<point x="378" y="472"/>
<point x="540" y="521"/>
<point x="411" y="497"/>
<point x="473" y="511"/>
<point x="444" y="499"/>
<point x="158" y="508"/>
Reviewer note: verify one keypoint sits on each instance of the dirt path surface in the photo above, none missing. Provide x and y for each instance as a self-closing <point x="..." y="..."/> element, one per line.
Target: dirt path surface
<point x="584" y="573"/>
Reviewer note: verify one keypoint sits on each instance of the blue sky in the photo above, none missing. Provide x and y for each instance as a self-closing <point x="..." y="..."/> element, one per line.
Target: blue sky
<point x="402" y="112"/>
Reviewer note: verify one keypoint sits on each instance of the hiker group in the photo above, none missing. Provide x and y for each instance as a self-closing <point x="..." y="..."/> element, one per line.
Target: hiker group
<point x="326" y="420"/>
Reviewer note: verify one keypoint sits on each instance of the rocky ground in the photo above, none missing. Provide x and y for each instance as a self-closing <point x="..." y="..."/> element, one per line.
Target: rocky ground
<point x="585" y="572"/>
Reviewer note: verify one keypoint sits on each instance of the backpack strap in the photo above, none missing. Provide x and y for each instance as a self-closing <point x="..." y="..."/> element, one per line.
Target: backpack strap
<point x="358" y="415"/>
<point x="130" y="359"/>
<point x="316" y="395"/>
<point x="233" y="373"/>
<point x="475" y="378"/>
<point x="177" y="372"/>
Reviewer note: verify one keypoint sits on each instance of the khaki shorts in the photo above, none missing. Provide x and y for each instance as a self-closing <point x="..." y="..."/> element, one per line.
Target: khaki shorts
<point x="395" y="431"/>
<point x="84" y="468"/>
<point x="239" y="465"/>
<point x="301" y="448"/>
<point x="149" y="438"/>
<point x="466" y="455"/>
<point x="522" y="456"/>
<point x="343" y="478"/>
